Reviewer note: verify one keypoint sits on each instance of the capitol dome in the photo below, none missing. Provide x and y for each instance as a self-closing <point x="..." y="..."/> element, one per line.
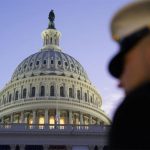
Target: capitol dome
<point x="50" y="62"/>
<point x="51" y="87"/>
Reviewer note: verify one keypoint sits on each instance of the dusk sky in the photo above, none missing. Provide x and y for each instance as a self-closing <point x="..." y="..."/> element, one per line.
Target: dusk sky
<point x="85" y="28"/>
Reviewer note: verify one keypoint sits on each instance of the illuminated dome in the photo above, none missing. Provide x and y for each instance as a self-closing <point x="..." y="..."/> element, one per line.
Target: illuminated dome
<point x="51" y="87"/>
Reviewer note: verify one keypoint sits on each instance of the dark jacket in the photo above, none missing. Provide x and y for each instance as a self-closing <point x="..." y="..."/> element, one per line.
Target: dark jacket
<point x="131" y="124"/>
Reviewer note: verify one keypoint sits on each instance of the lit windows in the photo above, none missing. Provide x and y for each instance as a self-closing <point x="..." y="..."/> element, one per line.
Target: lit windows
<point x="30" y="121"/>
<point x="52" y="122"/>
<point x="62" y="120"/>
<point x="41" y="122"/>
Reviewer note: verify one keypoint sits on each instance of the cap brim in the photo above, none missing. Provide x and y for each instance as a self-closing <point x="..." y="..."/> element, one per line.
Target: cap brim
<point x="115" y="66"/>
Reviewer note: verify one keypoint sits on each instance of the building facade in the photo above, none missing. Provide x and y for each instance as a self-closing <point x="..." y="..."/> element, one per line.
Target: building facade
<point x="50" y="102"/>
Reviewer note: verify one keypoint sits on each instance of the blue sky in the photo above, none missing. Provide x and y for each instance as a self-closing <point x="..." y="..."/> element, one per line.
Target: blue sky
<point x="85" y="28"/>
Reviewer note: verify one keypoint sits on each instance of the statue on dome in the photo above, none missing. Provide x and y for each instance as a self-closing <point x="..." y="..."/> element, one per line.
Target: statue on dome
<point x="51" y="18"/>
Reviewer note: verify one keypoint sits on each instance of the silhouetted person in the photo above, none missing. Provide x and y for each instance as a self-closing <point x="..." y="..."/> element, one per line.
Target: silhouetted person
<point x="130" y="27"/>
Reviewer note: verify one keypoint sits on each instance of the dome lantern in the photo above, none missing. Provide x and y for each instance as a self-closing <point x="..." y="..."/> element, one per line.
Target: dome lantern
<point x="51" y="36"/>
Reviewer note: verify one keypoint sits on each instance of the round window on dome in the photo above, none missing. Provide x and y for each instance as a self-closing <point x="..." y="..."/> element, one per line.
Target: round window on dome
<point x="59" y="62"/>
<point x="25" y="66"/>
<point x="44" y="62"/>
<point x="52" y="62"/>
<point x="31" y="64"/>
<point x="72" y="65"/>
<point x="66" y="64"/>
<point x="37" y="63"/>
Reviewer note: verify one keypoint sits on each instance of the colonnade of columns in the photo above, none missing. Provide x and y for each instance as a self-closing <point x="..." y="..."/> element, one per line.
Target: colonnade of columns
<point x="51" y="117"/>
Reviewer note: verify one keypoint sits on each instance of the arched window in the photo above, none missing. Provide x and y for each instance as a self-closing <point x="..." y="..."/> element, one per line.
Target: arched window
<point x="51" y="40"/>
<point x="10" y="97"/>
<point x="33" y="92"/>
<point x="47" y="37"/>
<point x="42" y="91"/>
<point x="52" y="91"/>
<point x="91" y="99"/>
<point x="85" y="96"/>
<point x="44" y="62"/>
<point x="24" y="93"/>
<point x="78" y="94"/>
<point x="62" y="91"/>
<point x="16" y="95"/>
<point x="71" y="92"/>
<point x="52" y="62"/>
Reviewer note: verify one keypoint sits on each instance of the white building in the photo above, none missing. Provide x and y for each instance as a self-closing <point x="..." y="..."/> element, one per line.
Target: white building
<point x="50" y="104"/>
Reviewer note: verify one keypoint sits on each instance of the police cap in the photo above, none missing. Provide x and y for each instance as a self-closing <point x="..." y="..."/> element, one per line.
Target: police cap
<point x="128" y="27"/>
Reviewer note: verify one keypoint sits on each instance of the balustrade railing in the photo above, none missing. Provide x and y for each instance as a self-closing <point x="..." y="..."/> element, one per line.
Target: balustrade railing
<point x="95" y="129"/>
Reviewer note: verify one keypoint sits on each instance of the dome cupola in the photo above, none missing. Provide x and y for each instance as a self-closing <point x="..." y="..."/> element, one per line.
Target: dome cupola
<point x="51" y="36"/>
<point x="50" y="60"/>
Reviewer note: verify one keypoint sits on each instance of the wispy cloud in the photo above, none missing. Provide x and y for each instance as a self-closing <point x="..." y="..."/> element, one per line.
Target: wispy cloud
<point x="111" y="100"/>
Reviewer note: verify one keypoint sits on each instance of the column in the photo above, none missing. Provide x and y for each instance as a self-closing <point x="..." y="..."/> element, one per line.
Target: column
<point x="11" y="118"/>
<point x="70" y="117"/>
<point x="47" y="90"/>
<point x="81" y="96"/>
<point x="2" y="120"/>
<point x="66" y="90"/>
<point x="81" y="119"/>
<point x="90" y="119"/>
<point x="58" y="116"/>
<point x="98" y="121"/>
<point x="22" y="117"/>
<point x="46" y="117"/>
<point x="21" y="92"/>
<point x="34" y="116"/>
<point x="88" y="96"/>
<point x="7" y="97"/>
<point x="14" y="95"/>
<point x="28" y="90"/>
<point x="37" y="90"/>
<point x="75" y="92"/>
